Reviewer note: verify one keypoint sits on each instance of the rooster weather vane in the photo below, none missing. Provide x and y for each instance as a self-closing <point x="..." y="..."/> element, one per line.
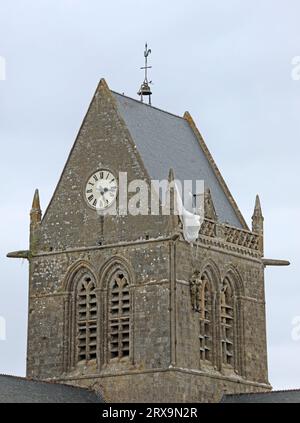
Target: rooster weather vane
<point x="145" y="90"/>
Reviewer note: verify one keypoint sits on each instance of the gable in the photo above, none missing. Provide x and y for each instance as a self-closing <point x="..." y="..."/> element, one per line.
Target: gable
<point x="125" y="135"/>
<point x="103" y="142"/>
<point x="167" y="141"/>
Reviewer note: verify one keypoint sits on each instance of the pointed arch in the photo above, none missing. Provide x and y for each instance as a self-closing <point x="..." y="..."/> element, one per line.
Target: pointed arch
<point x="236" y="279"/>
<point x="210" y="268"/>
<point x="112" y="265"/>
<point x="232" y="320"/>
<point x="209" y="283"/>
<point x="80" y="266"/>
<point x="116" y="281"/>
<point x="81" y="314"/>
<point x="227" y="314"/>
<point x="86" y="318"/>
<point x="205" y="319"/>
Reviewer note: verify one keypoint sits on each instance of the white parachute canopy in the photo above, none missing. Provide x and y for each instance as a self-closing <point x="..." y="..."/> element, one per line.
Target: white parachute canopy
<point x="190" y="220"/>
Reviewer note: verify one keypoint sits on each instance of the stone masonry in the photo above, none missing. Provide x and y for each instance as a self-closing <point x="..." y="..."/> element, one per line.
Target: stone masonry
<point x="140" y="266"/>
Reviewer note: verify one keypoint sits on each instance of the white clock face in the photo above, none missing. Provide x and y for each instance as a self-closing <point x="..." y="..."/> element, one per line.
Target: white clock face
<point x="101" y="190"/>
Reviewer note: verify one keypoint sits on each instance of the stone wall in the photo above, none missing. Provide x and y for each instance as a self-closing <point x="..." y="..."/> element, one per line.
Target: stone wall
<point x="164" y="328"/>
<point x="169" y="386"/>
<point x="48" y="337"/>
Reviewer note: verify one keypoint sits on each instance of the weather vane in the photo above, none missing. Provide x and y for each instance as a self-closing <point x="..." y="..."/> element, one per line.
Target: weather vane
<point x="145" y="89"/>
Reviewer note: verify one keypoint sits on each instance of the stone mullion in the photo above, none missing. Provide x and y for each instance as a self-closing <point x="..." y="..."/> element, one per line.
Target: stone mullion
<point x="242" y="336"/>
<point x="106" y="322"/>
<point x="66" y="320"/>
<point x="87" y="325"/>
<point x="239" y="336"/>
<point x="236" y="363"/>
<point x="99" y="323"/>
<point x="120" y="351"/>
<point x="131" y="325"/>
<point x="214" y="332"/>
<point x="218" y="337"/>
<point x="73" y="346"/>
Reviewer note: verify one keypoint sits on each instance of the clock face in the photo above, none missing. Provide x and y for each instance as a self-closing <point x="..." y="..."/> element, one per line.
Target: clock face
<point x="101" y="190"/>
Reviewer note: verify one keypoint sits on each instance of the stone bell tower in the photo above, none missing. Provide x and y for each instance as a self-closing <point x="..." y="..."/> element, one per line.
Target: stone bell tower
<point x="122" y="301"/>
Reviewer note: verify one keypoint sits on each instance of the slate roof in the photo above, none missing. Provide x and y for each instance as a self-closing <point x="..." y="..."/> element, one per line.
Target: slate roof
<point x="167" y="141"/>
<point x="291" y="396"/>
<point x="21" y="390"/>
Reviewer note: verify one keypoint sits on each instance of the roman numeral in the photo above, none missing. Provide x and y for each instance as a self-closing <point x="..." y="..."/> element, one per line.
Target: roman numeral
<point x="90" y="198"/>
<point x="89" y="191"/>
<point x="95" y="203"/>
<point x="101" y="175"/>
<point x="91" y="184"/>
<point x="95" y="177"/>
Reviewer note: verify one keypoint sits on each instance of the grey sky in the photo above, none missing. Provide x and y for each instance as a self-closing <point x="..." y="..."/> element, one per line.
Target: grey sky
<point x="227" y="62"/>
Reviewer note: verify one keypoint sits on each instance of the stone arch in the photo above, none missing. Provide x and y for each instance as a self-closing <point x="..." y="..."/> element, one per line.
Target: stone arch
<point x="208" y="292"/>
<point x="112" y="265"/>
<point x="117" y="305"/>
<point x="232" y="277"/>
<point x="78" y="271"/>
<point x="232" y="273"/>
<point x="212" y="270"/>
<point x="80" y="266"/>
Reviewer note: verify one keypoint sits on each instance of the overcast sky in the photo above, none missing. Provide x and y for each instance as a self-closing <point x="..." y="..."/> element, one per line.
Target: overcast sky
<point x="227" y="62"/>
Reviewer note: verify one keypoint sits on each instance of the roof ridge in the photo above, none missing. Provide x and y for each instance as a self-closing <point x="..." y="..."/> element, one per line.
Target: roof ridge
<point x="148" y="105"/>
<point x="49" y="382"/>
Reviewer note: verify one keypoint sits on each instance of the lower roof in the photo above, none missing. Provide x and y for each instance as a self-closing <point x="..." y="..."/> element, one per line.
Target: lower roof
<point x="21" y="390"/>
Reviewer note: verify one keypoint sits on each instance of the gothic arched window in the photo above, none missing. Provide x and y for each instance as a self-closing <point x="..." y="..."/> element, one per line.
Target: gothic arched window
<point x="86" y="319"/>
<point x="119" y="316"/>
<point x="227" y="323"/>
<point x="205" y="310"/>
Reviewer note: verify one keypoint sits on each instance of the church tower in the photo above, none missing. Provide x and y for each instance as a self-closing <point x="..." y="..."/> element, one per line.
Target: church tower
<point x="122" y="302"/>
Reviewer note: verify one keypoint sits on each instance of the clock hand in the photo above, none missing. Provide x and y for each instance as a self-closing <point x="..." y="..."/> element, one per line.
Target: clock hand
<point x="101" y="189"/>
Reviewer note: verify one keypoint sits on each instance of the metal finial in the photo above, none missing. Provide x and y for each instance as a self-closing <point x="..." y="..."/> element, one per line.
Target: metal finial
<point x="146" y="67"/>
<point x="145" y="88"/>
